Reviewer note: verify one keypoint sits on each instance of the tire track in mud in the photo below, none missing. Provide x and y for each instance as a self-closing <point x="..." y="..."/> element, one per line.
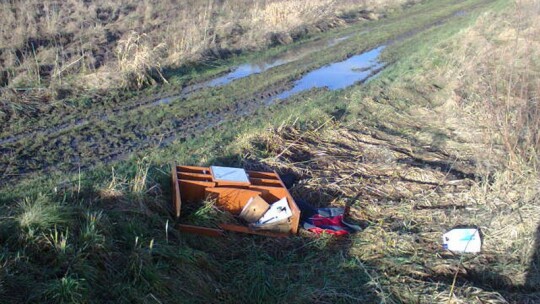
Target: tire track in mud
<point x="139" y="103"/>
<point x="78" y="122"/>
<point x="90" y="146"/>
<point x="87" y="143"/>
<point x="187" y="91"/>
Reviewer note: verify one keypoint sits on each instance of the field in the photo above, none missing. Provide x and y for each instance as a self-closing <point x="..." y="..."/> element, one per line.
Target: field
<point x="68" y="47"/>
<point x="444" y="133"/>
<point x="84" y="132"/>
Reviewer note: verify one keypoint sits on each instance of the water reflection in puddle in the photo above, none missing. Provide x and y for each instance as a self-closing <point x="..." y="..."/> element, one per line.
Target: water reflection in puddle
<point x="339" y="75"/>
<point x="244" y="70"/>
<point x="249" y="69"/>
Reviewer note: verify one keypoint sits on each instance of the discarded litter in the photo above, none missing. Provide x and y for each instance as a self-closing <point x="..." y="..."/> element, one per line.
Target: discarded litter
<point x="275" y="218"/>
<point x="279" y="211"/>
<point x="466" y="240"/>
<point x="255" y="208"/>
<point x="258" y="199"/>
<point x="326" y="220"/>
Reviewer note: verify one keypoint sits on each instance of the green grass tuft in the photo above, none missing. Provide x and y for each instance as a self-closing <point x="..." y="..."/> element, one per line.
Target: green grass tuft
<point x="39" y="213"/>
<point x="65" y="290"/>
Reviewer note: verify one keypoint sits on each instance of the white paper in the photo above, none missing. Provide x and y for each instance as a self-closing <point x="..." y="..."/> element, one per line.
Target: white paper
<point x="463" y="240"/>
<point x="278" y="211"/>
<point x="229" y="174"/>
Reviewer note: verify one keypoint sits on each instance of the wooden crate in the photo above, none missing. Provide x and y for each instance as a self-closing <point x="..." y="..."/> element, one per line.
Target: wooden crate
<point x="194" y="184"/>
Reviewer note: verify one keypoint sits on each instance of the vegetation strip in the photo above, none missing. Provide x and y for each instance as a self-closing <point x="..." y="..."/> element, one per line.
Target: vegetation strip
<point x="444" y="136"/>
<point x="157" y="130"/>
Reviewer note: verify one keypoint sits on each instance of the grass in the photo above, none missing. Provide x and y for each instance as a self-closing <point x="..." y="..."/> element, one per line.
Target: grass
<point x="419" y="143"/>
<point x="47" y="47"/>
<point x="94" y="139"/>
<point x="38" y="213"/>
<point x="65" y="290"/>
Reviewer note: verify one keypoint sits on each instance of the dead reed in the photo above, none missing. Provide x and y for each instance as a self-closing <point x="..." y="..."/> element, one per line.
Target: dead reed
<point x="409" y="191"/>
<point x="85" y="43"/>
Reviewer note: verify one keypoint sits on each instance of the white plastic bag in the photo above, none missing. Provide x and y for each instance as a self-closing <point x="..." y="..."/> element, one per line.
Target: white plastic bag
<point x="466" y="240"/>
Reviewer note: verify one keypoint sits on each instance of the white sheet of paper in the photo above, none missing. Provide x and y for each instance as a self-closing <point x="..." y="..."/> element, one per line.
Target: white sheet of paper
<point x="230" y="174"/>
<point x="278" y="211"/>
<point x="463" y="240"/>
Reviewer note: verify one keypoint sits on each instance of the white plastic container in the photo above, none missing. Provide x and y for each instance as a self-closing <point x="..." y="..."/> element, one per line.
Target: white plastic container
<point x="467" y="240"/>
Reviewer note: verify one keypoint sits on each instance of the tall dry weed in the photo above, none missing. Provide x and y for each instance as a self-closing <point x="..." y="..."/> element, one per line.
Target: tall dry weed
<point x="85" y="43"/>
<point x="138" y="60"/>
<point x="501" y="72"/>
<point x="285" y="15"/>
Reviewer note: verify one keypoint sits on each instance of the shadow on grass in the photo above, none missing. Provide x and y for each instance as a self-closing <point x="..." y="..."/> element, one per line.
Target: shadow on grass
<point x="299" y="269"/>
<point x="526" y="293"/>
<point x="533" y="276"/>
<point x="532" y="281"/>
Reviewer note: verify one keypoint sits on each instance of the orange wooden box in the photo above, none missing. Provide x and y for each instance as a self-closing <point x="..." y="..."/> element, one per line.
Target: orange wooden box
<point x="193" y="184"/>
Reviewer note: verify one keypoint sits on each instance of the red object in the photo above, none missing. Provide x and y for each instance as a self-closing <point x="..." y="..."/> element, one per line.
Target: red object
<point x="319" y="220"/>
<point x="318" y="230"/>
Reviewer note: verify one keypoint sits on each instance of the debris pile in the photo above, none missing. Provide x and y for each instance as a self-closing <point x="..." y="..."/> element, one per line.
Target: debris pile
<point x="258" y="200"/>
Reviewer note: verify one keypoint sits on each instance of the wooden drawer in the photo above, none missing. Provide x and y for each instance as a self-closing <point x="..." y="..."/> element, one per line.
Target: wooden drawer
<point x="192" y="184"/>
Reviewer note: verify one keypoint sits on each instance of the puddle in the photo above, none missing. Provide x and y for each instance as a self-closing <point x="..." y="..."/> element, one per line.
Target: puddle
<point x="335" y="41"/>
<point x="339" y="75"/>
<point x="249" y="69"/>
<point x="245" y="70"/>
<point x="359" y="68"/>
<point x="164" y="101"/>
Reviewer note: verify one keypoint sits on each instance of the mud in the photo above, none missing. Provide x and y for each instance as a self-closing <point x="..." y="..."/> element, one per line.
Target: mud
<point x="239" y="72"/>
<point x="87" y="146"/>
<point x="122" y="128"/>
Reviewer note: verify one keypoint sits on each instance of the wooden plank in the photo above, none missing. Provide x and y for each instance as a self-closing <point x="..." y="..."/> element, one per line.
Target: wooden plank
<point x="176" y="189"/>
<point x="244" y="229"/>
<point x="195" y="176"/>
<point x="271" y="194"/>
<point x="265" y="182"/>
<point x="192" y="190"/>
<point x="229" y="199"/>
<point x="259" y="174"/>
<point x="200" y="230"/>
<point x="193" y="169"/>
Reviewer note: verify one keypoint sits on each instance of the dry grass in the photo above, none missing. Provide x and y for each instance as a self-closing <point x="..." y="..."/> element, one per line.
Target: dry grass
<point x="499" y="76"/>
<point x="137" y="61"/>
<point x="83" y="44"/>
<point x="412" y="188"/>
<point x="407" y="200"/>
<point x="286" y="15"/>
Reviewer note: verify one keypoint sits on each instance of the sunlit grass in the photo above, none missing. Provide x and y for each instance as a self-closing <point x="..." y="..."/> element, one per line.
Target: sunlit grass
<point x="400" y="144"/>
<point x="39" y="212"/>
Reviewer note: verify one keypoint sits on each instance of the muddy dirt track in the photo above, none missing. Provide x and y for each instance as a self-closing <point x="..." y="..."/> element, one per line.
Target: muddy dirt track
<point x="72" y="137"/>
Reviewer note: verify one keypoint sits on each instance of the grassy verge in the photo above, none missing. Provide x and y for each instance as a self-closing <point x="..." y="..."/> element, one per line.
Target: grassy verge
<point x="84" y="138"/>
<point x="412" y="142"/>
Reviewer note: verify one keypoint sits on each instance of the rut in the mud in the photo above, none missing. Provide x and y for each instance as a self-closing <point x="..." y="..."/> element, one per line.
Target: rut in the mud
<point x="239" y="72"/>
<point x="115" y="134"/>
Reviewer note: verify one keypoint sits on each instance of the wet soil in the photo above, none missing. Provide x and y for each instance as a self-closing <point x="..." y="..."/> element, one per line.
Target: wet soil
<point x="86" y="137"/>
<point x="242" y="71"/>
